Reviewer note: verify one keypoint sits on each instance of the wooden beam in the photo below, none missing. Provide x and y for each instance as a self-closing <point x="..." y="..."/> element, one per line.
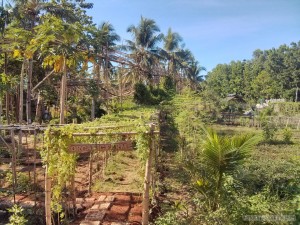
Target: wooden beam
<point x="113" y="133"/>
<point x="103" y="147"/>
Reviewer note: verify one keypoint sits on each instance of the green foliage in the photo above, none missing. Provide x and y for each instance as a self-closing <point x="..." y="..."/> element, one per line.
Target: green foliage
<point x="17" y="217"/>
<point x="148" y="96"/>
<point x="264" y="86"/>
<point x="221" y="156"/>
<point x="61" y="163"/>
<point x="287" y="108"/>
<point x="169" y="218"/>
<point x="287" y="135"/>
<point x="276" y="168"/>
<point x="142" y="94"/>
<point x="168" y="84"/>
<point x="23" y="181"/>
<point x="270" y="73"/>
<point x="187" y="112"/>
<point x="269" y="130"/>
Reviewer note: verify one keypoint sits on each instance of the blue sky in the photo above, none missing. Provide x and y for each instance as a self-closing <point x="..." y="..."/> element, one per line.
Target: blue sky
<point x="216" y="31"/>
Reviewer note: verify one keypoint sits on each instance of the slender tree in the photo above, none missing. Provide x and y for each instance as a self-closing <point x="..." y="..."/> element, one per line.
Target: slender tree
<point x="56" y="41"/>
<point x="171" y="51"/>
<point x="143" y="48"/>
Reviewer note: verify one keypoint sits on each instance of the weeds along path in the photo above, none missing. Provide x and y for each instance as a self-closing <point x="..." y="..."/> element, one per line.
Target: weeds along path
<point x="173" y="183"/>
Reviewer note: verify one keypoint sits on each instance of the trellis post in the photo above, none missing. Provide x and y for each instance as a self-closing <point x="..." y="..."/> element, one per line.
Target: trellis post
<point x="13" y="162"/>
<point x="90" y="172"/>
<point x="47" y="192"/>
<point x="34" y="169"/>
<point x="146" y="198"/>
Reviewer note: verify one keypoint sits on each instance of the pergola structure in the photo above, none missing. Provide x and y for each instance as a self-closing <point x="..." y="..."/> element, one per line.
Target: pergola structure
<point x="13" y="144"/>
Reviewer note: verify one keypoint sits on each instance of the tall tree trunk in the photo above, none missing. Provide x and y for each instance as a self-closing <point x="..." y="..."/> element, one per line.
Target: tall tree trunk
<point x="7" y="97"/>
<point x="7" y="94"/>
<point x="21" y="101"/>
<point x="296" y="98"/>
<point x="120" y="89"/>
<point x="1" y="109"/>
<point x="38" y="111"/>
<point x="93" y="109"/>
<point x="28" y="102"/>
<point x="63" y="93"/>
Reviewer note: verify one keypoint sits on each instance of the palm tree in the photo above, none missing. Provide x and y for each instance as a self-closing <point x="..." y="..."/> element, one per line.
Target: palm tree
<point x="171" y="51"/>
<point x="144" y="50"/>
<point x="222" y="155"/>
<point x="103" y="41"/>
<point x="193" y="73"/>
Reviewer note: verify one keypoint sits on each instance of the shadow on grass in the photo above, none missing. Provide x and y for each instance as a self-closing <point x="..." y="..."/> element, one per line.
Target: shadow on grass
<point x="277" y="142"/>
<point x="169" y="134"/>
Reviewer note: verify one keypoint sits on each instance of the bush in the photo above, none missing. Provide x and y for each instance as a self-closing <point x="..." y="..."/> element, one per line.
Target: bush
<point x="168" y="85"/>
<point x="23" y="181"/>
<point x="141" y="94"/>
<point x="149" y="96"/>
<point x="17" y="217"/>
<point x="272" y="169"/>
<point x="287" y="135"/>
<point x="269" y="130"/>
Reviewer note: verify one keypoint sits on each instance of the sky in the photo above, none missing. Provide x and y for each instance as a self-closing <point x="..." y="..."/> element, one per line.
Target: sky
<point x="216" y="31"/>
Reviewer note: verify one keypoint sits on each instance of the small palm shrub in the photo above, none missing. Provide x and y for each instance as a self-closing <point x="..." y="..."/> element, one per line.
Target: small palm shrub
<point x="222" y="155"/>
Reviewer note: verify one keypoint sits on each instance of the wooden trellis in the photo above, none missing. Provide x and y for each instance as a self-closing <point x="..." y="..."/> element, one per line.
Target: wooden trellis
<point x="17" y="132"/>
<point x="11" y="137"/>
<point x="107" y="147"/>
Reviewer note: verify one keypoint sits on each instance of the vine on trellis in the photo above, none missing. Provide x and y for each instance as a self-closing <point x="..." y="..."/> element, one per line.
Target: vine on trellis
<point x="61" y="163"/>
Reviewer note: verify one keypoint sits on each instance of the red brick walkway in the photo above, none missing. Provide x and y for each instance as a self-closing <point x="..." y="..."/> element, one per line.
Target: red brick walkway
<point x="110" y="209"/>
<point x="101" y="209"/>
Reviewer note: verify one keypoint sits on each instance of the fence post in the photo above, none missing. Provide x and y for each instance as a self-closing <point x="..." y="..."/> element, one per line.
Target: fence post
<point x="146" y="198"/>
<point x="47" y="193"/>
<point x="13" y="163"/>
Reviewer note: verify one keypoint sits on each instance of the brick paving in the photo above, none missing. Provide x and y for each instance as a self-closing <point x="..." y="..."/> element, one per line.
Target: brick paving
<point x="105" y="209"/>
<point x="111" y="209"/>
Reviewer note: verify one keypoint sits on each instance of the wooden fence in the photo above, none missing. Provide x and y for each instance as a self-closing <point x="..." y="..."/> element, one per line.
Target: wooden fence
<point x="254" y="121"/>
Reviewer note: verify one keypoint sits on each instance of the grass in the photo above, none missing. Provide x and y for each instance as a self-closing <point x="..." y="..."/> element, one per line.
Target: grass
<point x="273" y="167"/>
<point x="124" y="173"/>
<point x="233" y="130"/>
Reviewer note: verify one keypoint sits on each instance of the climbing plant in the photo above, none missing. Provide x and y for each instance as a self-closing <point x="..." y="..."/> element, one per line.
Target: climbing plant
<point x="61" y="163"/>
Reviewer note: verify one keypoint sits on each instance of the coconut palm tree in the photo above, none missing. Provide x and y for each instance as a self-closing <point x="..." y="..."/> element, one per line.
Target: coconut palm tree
<point x="193" y="73"/>
<point x="222" y="155"/>
<point x="171" y="51"/>
<point x="102" y="41"/>
<point x="143" y="47"/>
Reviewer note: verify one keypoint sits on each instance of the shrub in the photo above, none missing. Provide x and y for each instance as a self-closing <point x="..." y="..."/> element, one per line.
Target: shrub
<point x="269" y="130"/>
<point x="169" y="218"/>
<point x="142" y="94"/>
<point x="17" y="217"/>
<point x="287" y="135"/>
<point x="149" y="96"/>
<point x="23" y="181"/>
<point x="168" y="85"/>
